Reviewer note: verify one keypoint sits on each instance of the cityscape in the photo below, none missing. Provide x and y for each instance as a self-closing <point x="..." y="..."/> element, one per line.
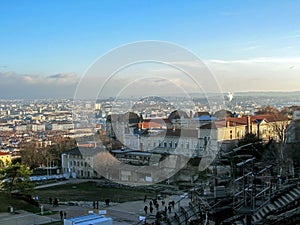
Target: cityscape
<point x="149" y="112"/>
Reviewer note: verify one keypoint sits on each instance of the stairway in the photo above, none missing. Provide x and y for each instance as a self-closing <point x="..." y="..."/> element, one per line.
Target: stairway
<point x="272" y="208"/>
<point x="186" y="213"/>
<point x="277" y="205"/>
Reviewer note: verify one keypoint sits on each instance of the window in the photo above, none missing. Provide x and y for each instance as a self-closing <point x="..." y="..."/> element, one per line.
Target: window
<point x="264" y="131"/>
<point x="170" y="144"/>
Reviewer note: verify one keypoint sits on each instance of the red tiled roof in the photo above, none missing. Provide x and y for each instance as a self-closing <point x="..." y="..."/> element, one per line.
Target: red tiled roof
<point x="4" y="153"/>
<point x="243" y="120"/>
<point x="154" y="123"/>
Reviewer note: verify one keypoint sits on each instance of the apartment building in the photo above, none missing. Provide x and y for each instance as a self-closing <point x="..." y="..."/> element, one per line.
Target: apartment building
<point x="78" y="162"/>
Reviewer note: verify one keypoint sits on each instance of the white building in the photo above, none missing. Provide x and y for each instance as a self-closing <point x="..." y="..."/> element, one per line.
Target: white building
<point x="78" y="162"/>
<point x="62" y="126"/>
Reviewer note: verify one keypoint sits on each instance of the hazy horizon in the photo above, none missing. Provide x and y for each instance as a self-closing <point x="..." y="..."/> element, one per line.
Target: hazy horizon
<point x="47" y="47"/>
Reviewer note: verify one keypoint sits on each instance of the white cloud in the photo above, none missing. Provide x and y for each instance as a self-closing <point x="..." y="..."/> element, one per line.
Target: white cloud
<point x="256" y="60"/>
<point x="257" y="74"/>
<point x="14" y="85"/>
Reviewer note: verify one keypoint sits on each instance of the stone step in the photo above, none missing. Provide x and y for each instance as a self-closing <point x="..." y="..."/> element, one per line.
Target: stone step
<point x="294" y="194"/>
<point x="282" y="202"/>
<point x="262" y="214"/>
<point x="271" y="207"/>
<point x="256" y="217"/>
<point x="290" y="197"/>
<point x="285" y="199"/>
<point x="265" y="210"/>
<point x="297" y="190"/>
<point x="278" y="204"/>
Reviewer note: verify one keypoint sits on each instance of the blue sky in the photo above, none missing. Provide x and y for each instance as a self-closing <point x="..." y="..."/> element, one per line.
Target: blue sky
<point x="42" y="38"/>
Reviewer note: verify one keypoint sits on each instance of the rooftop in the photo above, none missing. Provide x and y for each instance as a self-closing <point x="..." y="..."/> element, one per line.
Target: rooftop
<point x="88" y="219"/>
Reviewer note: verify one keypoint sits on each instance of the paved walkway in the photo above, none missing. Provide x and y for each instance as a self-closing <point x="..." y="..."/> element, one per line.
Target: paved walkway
<point x="24" y="218"/>
<point x="122" y="213"/>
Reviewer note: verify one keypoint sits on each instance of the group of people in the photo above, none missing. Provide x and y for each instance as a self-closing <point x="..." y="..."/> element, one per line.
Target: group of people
<point x="63" y="215"/>
<point x="53" y="202"/>
<point x="155" y="204"/>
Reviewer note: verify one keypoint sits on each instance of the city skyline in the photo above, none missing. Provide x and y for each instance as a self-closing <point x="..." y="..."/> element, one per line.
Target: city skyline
<point x="48" y="46"/>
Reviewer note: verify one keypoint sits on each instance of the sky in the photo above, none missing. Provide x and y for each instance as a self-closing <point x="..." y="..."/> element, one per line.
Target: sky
<point x="46" y="47"/>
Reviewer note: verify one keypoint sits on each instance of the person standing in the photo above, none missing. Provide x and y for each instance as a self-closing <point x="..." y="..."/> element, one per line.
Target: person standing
<point x="55" y="202"/>
<point x="151" y="209"/>
<point x="61" y="215"/>
<point x="146" y="209"/>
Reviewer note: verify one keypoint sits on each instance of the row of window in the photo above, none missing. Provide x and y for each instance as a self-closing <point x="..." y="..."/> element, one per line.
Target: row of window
<point x="183" y="145"/>
<point x="78" y="163"/>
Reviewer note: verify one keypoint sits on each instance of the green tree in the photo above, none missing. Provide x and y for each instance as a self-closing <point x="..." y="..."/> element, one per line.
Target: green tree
<point x="16" y="177"/>
<point x="249" y="138"/>
<point x="256" y="149"/>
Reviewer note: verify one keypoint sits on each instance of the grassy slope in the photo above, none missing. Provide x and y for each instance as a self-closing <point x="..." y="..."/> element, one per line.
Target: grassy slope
<point x="89" y="191"/>
<point x="17" y="204"/>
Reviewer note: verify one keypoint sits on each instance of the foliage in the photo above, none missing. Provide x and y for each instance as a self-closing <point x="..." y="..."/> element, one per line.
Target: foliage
<point x="255" y="150"/>
<point x="55" y="151"/>
<point x="1" y="164"/>
<point x="249" y="138"/>
<point x="33" y="156"/>
<point x="16" y="177"/>
<point x="281" y="119"/>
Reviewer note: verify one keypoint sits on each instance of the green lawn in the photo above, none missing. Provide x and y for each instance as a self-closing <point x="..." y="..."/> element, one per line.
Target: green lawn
<point x="90" y="191"/>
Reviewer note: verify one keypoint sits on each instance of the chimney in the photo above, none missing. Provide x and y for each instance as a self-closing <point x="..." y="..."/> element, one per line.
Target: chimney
<point x="249" y="125"/>
<point x="227" y="123"/>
